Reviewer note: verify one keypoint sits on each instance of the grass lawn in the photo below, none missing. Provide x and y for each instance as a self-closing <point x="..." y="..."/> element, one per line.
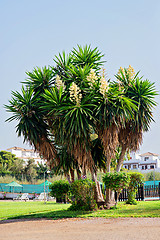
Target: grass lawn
<point x="11" y="210"/>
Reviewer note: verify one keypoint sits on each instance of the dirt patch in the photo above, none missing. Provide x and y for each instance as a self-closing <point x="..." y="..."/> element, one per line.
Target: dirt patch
<point x="85" y="229"/>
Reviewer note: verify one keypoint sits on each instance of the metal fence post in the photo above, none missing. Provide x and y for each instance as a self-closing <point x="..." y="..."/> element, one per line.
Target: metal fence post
<point x="115" y="196"/>
<point x="142" y="192"/>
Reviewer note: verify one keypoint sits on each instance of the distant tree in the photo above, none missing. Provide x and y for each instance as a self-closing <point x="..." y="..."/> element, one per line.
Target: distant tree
<point x="30" y="171"/>
<point x="41" y="168"/>
<point x="7" y="160"/>
<point x="151" y="177"/>
<point x="17" y="169"/>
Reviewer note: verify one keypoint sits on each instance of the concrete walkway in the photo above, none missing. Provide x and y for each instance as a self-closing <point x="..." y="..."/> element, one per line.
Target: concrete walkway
<point x="82" y="229"/>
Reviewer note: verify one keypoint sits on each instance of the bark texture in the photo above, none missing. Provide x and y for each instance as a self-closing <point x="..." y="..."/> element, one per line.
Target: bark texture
<point x="121" y="159"/>
<point x="99" y="195"/>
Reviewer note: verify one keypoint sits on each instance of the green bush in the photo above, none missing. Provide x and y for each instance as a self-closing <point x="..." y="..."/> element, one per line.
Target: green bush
<point x="59" y="189"/>
<point x="116" y="181"/>
<point x="136" y="179"/>
<point x="83" y="192"/>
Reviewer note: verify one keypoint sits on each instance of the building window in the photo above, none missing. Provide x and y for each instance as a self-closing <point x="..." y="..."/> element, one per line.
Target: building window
<point x="152" y="167"/>
<point x="134" y="166"/>
<point x="125" y="167"/>
<point x="146" y="158"/>
<point x="142" y="167"/>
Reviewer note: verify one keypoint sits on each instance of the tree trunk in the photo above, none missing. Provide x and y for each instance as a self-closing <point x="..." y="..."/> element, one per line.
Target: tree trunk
<point x="110" y="196"/>
<point x="121" y="158"/>
<point x="99" y="196"/>
<point x="72" y="175"/>
<point x="108" y="192"/>
<point x="68" y="178"/>
<point x="108" y="166"/>
<point x="78" y="174"/>
<point x="117" y="199"/>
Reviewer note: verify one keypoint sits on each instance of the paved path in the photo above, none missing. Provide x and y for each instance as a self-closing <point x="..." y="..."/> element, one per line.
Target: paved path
<point x="82" y="229"/>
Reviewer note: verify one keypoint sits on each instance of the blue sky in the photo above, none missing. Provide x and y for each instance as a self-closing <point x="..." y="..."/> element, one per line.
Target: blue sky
<point x="32" y="32"/>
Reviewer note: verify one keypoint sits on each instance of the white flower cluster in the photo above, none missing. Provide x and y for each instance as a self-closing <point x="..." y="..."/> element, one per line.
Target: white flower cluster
<point x="130" y="71"/>
<point x="122" y="69"/>
<point x="59" y="83"/>
<point x="91" y="78"/>
<point x="75" y="93"/>
<point x="103" y="86"/>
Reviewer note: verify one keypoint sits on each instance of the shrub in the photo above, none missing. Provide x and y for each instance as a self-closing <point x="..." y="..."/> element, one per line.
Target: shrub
<point x="151" y="176"/>
<point x="116" y="181"/>
<point x="60" y="189"/>
<point x="136" y="179"/>
<point x="83" y="192"/>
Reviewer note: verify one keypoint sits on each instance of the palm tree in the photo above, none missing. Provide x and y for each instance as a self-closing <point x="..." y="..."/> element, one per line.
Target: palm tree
<point x="25" y="108"/>
<point x="40" y="79"/>
<point x="74" y="114"/>
<point x="62" y="106"/>
<point x="142" y="93"/>
<point x="63" y="119"/>
<point x="113" y="108"/>
<point x="67" y="165"/>
<point x="104" y="111"/>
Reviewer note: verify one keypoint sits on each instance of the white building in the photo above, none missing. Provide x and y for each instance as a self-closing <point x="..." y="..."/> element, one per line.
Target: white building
<point x="145" y="161"/>
<point x="26" y="154"/>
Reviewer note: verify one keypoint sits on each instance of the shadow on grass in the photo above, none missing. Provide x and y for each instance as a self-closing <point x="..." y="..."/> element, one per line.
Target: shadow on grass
<point x="122" y="210"/>
<point x="54" y="215"/>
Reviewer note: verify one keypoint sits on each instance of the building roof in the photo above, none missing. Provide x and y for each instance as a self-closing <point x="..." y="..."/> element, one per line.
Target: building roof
<point x="151" y="163"/>
<point x="139" y="163"/>
<point x="22" y="149"/>
<point x="149" y="154"/>
<point x="129" y="163"/>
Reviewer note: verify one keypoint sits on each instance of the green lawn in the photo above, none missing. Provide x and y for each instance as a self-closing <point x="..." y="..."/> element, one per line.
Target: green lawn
<point x="11" y="210"/>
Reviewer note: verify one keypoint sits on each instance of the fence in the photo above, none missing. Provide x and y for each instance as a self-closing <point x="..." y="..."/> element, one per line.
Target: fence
<point x="26" y="188"/>
<point x="124" y="194"/>
<point x="148" y="191"/>
<point x="152" y="191"/>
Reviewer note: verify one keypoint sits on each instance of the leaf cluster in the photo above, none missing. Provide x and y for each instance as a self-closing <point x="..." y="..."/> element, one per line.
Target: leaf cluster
<point x="116" y="181"/>
<point x="59" y="189"/>
<point x="136" y="179"/>
<point x="83" y="192"/>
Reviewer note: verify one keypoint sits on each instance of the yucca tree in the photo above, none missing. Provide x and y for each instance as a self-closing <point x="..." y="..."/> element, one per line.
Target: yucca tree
<point x="71" y="123"/>
<point x="111" y="109"/>
<point x="67" y="165"/>
<point x="40" y="79"/>
<point x="76" y="112"/>
<point x="25" y="108"/>
<point x="142" y="92"/>
<point x="61" y="106"/>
